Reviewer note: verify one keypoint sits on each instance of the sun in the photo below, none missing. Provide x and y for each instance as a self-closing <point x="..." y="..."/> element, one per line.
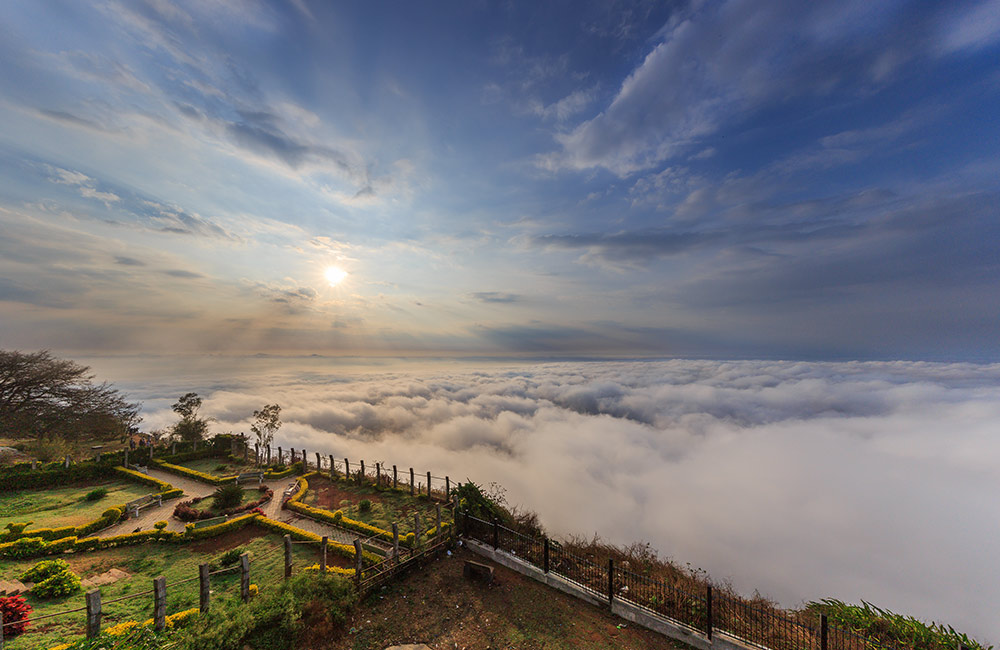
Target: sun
<point x="334" y="275"/>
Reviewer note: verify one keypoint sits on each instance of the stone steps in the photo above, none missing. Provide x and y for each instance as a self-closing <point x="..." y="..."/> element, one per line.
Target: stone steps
<point x="13" y="587"/>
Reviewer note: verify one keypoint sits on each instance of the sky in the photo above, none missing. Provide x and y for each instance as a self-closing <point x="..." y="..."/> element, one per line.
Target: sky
<point x="872" y="481"/>
<point x="762" y="180"/>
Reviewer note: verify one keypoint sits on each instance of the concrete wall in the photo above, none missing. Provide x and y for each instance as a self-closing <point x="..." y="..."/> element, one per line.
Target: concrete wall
<point x="619" y="607"/>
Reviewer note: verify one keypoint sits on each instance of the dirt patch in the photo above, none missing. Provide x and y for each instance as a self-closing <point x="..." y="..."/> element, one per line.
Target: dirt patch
<point x="437" y="606"/>
<point x="328" y="495"/>
<point x="229" y="540"/>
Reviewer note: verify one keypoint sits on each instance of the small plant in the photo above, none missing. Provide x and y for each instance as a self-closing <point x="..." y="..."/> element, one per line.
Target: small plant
<point x="15" y="612"/>
<point x="160" y="525"/>
<point x="230" y="557"/>
<point x="96" y="494"/>
<point x="44" y="569"/>
<point x="228" y="496"/>
<point x="61" y="584"/>
<point x="338" y="515"/>
<point x="365" y="505"/>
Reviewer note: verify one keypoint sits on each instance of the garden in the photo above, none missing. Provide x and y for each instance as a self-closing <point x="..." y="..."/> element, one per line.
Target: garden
<point x="72" y="505"/>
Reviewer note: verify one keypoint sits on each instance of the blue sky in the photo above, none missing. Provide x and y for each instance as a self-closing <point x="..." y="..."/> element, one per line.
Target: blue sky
<point x="711" y="179"/>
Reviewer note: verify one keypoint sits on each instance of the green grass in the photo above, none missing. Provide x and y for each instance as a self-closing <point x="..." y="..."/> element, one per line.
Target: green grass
<point x="65" y="506"/>
<point x="146" y="562"/>
<point x="209" y="465"/>
<point x="395" y="506"/>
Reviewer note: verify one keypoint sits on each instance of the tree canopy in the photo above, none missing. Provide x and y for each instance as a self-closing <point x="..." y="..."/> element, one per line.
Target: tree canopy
<point x="190" y="427"/>
<point x="43" y="396"/>
<point x="266" y="424"/>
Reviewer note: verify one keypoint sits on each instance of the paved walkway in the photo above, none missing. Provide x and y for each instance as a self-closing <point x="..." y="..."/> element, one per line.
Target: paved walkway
<point x="192" y="488"/>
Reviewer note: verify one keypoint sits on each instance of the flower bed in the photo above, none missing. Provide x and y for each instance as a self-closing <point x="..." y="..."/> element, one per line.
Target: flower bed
<point x="185" y="510"/>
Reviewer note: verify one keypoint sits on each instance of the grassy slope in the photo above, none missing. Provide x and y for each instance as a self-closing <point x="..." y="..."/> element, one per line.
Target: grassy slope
<point x="387" y="505"/>
<point x="65" y="506"/>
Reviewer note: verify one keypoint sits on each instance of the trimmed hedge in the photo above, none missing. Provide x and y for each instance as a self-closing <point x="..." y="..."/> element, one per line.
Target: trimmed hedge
<point x="109" y="517"/>
<point x="193" y="473"/>
<point x="336" y="518"/>
<point x="167" y="491"/>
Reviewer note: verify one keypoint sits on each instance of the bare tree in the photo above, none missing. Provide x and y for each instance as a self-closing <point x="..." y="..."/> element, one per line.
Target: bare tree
<point x="42" y="396"/>
<point x="266" y="424"/>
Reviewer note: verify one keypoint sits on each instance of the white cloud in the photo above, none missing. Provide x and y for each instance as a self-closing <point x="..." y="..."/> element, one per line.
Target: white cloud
<point x="976" y="28"/>
<point x="803" y="480"/>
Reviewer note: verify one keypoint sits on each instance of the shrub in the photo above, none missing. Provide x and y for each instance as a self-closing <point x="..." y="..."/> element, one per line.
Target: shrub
<point x="23" y="548"/>
<point x="230" y="557"/>
<point x="160" y="525"/>
<point x="96" y="494"/>
<point x="338" y="515"/>
<point x="365" y="505"/>
<point x="228" y="496"/>
<point x="44" y="569"/>
<point x="63" y="583"/>
<point x="15" y="612"/>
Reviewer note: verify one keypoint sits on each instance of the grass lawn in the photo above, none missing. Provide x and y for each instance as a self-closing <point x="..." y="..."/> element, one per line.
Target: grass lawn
<point x="65" y="506"/>
<point x="146" y="562"/>
<point x="216" y="466"/>
<point x="249" y="494"/>
<point x="387" y="506"/>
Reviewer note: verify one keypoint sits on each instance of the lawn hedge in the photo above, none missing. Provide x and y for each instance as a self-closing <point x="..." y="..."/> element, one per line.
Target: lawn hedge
<point x="340" y="520"/>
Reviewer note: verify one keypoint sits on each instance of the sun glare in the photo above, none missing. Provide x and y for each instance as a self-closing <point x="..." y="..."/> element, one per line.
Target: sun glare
<point x="334" y="275"/>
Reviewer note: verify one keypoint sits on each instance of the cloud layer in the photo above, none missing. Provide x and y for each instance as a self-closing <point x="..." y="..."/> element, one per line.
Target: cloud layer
<point x="870" y="481"/>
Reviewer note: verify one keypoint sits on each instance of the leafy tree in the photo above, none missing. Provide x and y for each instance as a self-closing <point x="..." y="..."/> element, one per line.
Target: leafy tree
<point x="190" y="427"/>
<point x="266" y="424"/>
<point x="45" y="397"/>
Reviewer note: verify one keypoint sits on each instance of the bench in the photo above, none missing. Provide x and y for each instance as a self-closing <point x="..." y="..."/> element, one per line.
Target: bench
<point x="290" y="490"/>
<point x="138" y="468"/>
<point x="249" y="476"/>
<point x="203" y="523"/>
<point x="477" y="571"/>
<point x="136" y="505"/>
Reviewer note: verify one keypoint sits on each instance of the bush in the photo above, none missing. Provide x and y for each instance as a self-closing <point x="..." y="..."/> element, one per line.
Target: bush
<point x="15" y="612"/>
<point x="338" y="515"/>
<point x="61" y="584"/>
<point x="228" y="496"/>
<point x="44" y="569"/>
<point x="365" y="505"/>
<point x="160" y="525"/>
<point x="230" y="557"/>
<point x="96" y="494"/>
<point x="23" y="548"/>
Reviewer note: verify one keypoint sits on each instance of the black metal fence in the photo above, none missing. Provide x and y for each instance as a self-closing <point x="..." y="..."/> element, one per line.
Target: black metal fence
<point x="707" y="612"/>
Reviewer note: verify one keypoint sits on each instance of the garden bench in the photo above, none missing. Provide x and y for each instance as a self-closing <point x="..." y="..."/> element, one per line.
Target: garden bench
<point x="139" y="468"/>
<point x="249" y="476"/>
<point x="290" y="490"/>
<point x="136" y="505"/>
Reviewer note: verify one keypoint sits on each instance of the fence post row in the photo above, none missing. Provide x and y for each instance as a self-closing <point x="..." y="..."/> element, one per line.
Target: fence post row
<point x="93" y="613"/>
<point x="245" y="577"/>
<point x="203" y="588"/>
<point x="160" y="603"/>
<point x="288" y="556"/>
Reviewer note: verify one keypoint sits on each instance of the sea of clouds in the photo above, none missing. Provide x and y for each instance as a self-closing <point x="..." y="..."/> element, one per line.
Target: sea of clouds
<point x="877" y="481"/>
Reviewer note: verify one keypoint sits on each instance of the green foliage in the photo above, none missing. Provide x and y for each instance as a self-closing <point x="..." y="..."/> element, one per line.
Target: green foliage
<point x="96" y="494"/>
<point x="275" y="619"/>
<point x="365" y="505"/>
<point x="23" y="548"/>
<point x="140" y="637"/>
<point x="44" y="569"/>
<point x="57" y="585"/>
<point x="190" y="428"/>
<point x="230" y="557"/>
<point x="160" y="525"/>
<point x="51" y="449"/>
<point x="227" y="496"/>
<point x="904" y="631"/>
<point x="471" y="499"/>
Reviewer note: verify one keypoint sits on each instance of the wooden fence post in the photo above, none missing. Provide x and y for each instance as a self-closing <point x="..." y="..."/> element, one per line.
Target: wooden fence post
<point x="322" y="561"/>
<point x="93" y="613"/>
<point x="611" y="581"/>
<point x="378" y="476"/>
<point x="333" y="469"/>
<point x="412" y="482"/>
<point x="361" y="474"/>
<point x="245" y="577"/>
<point x="319" y="465"/>
<point x="395" y="478"/>
<point x="203" y="588"/>
<point x="34" y="464"/>
<point x="708" y="612"/>
<point x="288" y="556"/>
<point x="358" y="556"/>
<point x="395" y="544"/>
<point x="824" y="632"/>
<point x="437" y="532"/>
<point x="269" y="454"/>
<point x="447" y="490"/>
<point x="545" y="556"/>
<point x="281" y="460"/>
<point x="428" y="485"/>
<point x="160" y="603"/>
<point x="347" y="471"/>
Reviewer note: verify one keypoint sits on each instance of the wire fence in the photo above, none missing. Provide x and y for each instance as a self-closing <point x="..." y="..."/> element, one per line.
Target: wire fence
<point x="708" y="613"/>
